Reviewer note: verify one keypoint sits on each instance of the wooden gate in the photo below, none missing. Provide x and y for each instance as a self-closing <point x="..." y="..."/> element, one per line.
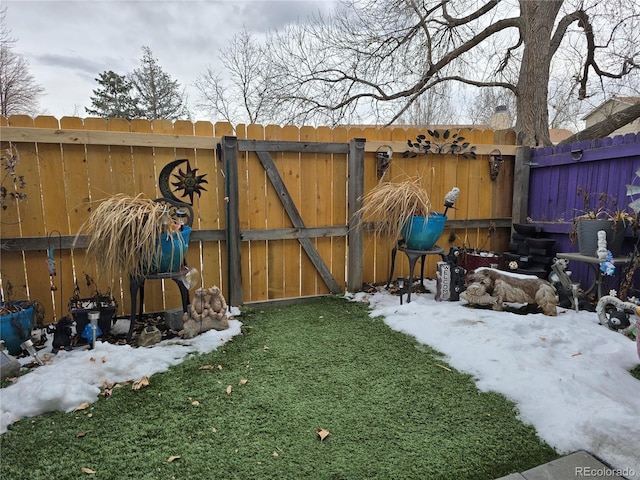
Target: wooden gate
<point x="287" y="211"/>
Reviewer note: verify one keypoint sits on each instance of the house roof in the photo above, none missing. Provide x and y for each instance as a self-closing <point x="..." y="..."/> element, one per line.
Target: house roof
<point x="559" y="134"/>
<point x="626" y="100"/>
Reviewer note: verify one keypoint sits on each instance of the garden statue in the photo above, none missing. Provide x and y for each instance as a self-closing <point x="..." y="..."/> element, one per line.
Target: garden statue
<point x="62" y="335"/>
<point x="207" y="311"/>
<point x="449" y="277"/>
<point x="602" y="251"/>
<point x="488" y="286"/>
<point x="615" y="314"/>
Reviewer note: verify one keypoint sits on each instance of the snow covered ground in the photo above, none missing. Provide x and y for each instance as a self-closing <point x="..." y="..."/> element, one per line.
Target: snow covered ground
<point x="71" y="378"/>
<point x="568" y="375"/>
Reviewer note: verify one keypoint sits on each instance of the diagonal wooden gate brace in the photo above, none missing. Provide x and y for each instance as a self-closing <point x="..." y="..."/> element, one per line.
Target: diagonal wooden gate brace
<point x="296" y="220"/>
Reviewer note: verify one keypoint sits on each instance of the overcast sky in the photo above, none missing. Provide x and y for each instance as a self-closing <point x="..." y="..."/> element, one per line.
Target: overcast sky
<point x="69" y="43"/>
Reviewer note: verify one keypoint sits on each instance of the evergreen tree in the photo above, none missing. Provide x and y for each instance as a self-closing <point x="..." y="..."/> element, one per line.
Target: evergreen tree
<point x="158" y="94"/>
<point x="114" y="99"/>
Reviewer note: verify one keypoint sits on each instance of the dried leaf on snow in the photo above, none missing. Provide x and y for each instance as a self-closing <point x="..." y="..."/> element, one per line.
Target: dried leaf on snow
<point x="82" y="406"/>
<point x="138" y="384"/>
<point x="107" y="384"/>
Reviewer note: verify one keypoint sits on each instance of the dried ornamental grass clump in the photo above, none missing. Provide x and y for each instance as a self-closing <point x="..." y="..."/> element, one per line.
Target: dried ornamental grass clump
<point x="390" y="204"/>
<point x="124" y="234"/>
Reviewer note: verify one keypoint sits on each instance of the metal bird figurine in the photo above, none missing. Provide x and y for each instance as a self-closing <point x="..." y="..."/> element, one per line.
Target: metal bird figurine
<point x="51" y="263"/>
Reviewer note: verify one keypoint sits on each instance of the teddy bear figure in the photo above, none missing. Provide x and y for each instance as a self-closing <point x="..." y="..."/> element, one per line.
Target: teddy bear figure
<point x="206" y="312"/>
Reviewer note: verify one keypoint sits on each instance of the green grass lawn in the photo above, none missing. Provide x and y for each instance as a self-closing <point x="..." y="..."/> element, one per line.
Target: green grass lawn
<point x="392" y="407"/>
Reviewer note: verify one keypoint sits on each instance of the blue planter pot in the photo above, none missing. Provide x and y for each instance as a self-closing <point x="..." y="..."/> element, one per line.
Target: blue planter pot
<point x="173" y="249"/>
<point x="422" y="233"/>
<point x="16" y="327"/>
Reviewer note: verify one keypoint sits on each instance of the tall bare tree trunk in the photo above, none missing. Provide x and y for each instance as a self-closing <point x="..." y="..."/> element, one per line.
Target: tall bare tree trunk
<point x="532" y="124"/>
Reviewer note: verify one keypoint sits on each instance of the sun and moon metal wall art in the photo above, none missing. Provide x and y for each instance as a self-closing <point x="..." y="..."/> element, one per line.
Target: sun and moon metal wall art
<point x="187" y="182"/>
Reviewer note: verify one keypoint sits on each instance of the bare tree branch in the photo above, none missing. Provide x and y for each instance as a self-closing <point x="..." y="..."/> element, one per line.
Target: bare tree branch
<point x="19" y="92"/>
<point x="454" y="22"/>
<point x="377" y="60"/>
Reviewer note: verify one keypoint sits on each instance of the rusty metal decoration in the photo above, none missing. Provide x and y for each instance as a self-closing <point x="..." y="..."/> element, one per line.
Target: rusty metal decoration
<point x="444" y="143"/>
<point x="495" y="163"/>
<point x="188" y="181"/>
<point x="383" y="160"/>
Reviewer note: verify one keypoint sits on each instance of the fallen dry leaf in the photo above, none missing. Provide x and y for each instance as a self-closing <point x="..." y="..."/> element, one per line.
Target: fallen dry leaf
<point x="138" y="384"/>
<point x="104" y="359"/>
<point x="219" y="367"/>
<point x="243" y="381"/>
<point x="229" y="388"/>
<point x="206" y="367"/>
<point x="81" y="434"/>
<point x="82" y="406"/>
<point x="173" y="458"/>
<point x="275" y="454"/>
<point x="322" y="433"/>
<point x="195" y="403"/>
<point x="576" y="354"/>
<point x="92" y="360"/>
<point x="443" y="367"/>
<point x="87" y="471"/>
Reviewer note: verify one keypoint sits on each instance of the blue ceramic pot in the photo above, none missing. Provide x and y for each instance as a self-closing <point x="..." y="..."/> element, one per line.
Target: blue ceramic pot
<point x="422" y="233"/>
<point x="173" y="249"/>
<point x="16" y="327"/>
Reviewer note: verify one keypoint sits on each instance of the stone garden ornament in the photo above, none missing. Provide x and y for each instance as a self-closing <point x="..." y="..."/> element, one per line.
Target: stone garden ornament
<point x="208" y="310"/>
<point x="488" y="286"/>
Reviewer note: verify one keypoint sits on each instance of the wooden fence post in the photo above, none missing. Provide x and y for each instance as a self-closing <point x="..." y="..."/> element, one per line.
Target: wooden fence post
<point x="355" y="188"/>
<point x="234" y="274"/>
<point x="521" y="173"/>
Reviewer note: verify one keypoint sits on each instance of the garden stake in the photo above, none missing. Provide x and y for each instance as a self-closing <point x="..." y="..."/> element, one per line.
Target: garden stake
<point x="51" y="265"/>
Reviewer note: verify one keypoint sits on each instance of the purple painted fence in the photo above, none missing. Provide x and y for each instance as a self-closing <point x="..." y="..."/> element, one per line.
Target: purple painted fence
<point x="602" y="165"/>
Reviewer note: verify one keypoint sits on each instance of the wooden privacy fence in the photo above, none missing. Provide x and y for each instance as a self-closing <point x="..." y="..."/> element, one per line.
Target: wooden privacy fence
<point x="274" y="220"/>
<point x="598" y="166"/>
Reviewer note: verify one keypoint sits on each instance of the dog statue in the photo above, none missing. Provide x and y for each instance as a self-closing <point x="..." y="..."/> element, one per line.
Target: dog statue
<point x="62" y="335"/>
<point x="488" y="286"/>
